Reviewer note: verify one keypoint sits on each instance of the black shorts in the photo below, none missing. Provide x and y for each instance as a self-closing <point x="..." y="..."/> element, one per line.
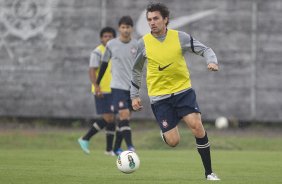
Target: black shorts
<point x="121" y="99"/>
<point x="104" y="104"/>
<point x="170" y="111"/>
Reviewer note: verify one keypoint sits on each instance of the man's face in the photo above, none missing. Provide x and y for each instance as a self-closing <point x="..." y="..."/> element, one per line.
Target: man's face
<point x="156" y="22"/>
<point x="125" y="30"/>
<point x="106" y="37"/>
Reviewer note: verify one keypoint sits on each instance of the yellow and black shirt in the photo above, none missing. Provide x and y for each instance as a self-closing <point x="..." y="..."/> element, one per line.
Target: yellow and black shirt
<point x="167" y="72"/>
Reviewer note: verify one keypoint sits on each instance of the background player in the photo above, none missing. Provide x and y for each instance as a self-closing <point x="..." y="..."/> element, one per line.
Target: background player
<point x="122" y="52"/>
<point x="168" y="82"/>
<point x="103" y="96"/>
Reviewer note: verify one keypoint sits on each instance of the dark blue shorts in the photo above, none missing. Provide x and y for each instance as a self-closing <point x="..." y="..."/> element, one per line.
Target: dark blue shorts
<point x="104" y="105"/>
<point x="121" y="99"/>
<point x="170" y="111"/>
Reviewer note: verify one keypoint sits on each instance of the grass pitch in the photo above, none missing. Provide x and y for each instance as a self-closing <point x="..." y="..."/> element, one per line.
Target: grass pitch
<point x="157" y="166"/>
<point x="53" y="156"/>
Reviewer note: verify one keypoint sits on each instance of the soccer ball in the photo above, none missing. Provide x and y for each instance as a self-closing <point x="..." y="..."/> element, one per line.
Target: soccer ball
<point x="221" y="123"/>
<point x="128" y="162"/>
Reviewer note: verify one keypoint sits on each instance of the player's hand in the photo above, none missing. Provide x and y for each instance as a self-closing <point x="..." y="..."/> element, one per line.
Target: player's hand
<point x="98" y="92"/>
<point x="136" y="104"/>
<point x="213" y="67"/>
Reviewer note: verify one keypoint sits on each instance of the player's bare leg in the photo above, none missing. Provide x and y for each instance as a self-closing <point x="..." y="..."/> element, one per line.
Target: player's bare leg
<point x="109" y="117"/>
<point x="194" y="122"/>
<point x="124" y="114"/>
<point x="172" y="137"/>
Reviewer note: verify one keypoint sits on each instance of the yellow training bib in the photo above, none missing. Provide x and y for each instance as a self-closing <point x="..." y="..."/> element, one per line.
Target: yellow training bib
<point x="167" y="71"/>
<point x="106" y="80"/>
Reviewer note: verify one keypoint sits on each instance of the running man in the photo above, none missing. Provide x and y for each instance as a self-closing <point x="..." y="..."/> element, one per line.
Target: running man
<point x="168" y="82"/>
<point x="103" y="96"/>
<point x="122" y="52"/>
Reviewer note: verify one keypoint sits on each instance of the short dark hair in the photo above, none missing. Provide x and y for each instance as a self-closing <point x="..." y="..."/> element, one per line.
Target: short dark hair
<point x="127" y="20"/>
<point x="107" y="30"/>
<point x="159" y="7"/>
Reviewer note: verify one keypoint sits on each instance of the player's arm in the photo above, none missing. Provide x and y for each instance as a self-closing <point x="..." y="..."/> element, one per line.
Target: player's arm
<point x="94" y="63"/>
<point x="104" y="64"/>
<point x="136" y="77"/>
<point x="192" y="45"/>
<point x="92" y="75"/>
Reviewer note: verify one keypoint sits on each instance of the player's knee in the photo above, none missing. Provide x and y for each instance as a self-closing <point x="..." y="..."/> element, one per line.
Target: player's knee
<point x="198" y="126"/>
<point x="198" y="131"/>
<point x="173" y="142"/>
<point x="109" y="119"/>
<point x="124" y="115"/>
<point x="122" y="118"/>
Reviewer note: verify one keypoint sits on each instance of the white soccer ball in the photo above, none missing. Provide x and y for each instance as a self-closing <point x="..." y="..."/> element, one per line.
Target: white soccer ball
<point x="221" y="122"/>
<point x="128" y="162"/>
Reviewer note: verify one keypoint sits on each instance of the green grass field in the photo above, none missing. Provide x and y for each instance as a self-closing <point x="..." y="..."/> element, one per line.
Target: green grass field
<point x="51" y="155"/>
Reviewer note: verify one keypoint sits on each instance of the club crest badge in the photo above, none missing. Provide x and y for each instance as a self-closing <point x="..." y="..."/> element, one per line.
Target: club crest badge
<point x="121" y="104"/>
<point x="133" y="51"/>
<point x="112" y="108"/>
<point x="164" y="123"/>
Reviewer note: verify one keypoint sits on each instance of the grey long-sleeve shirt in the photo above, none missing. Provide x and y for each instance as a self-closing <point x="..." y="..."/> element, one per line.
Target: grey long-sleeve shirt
<point x="122" y="57"/>
<point x="95" y="58"/>
<point x="188" y="43"/>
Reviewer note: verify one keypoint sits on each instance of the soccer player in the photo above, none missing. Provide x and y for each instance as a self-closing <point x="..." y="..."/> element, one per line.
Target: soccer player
<point x="122" y="52"/>
<point x="102" y="95"/>
<point x="168" y="82"/>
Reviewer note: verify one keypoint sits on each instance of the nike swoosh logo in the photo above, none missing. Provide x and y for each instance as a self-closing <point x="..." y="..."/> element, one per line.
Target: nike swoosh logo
<point x="162" y="68"/>
<point x="143" y="28"/>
